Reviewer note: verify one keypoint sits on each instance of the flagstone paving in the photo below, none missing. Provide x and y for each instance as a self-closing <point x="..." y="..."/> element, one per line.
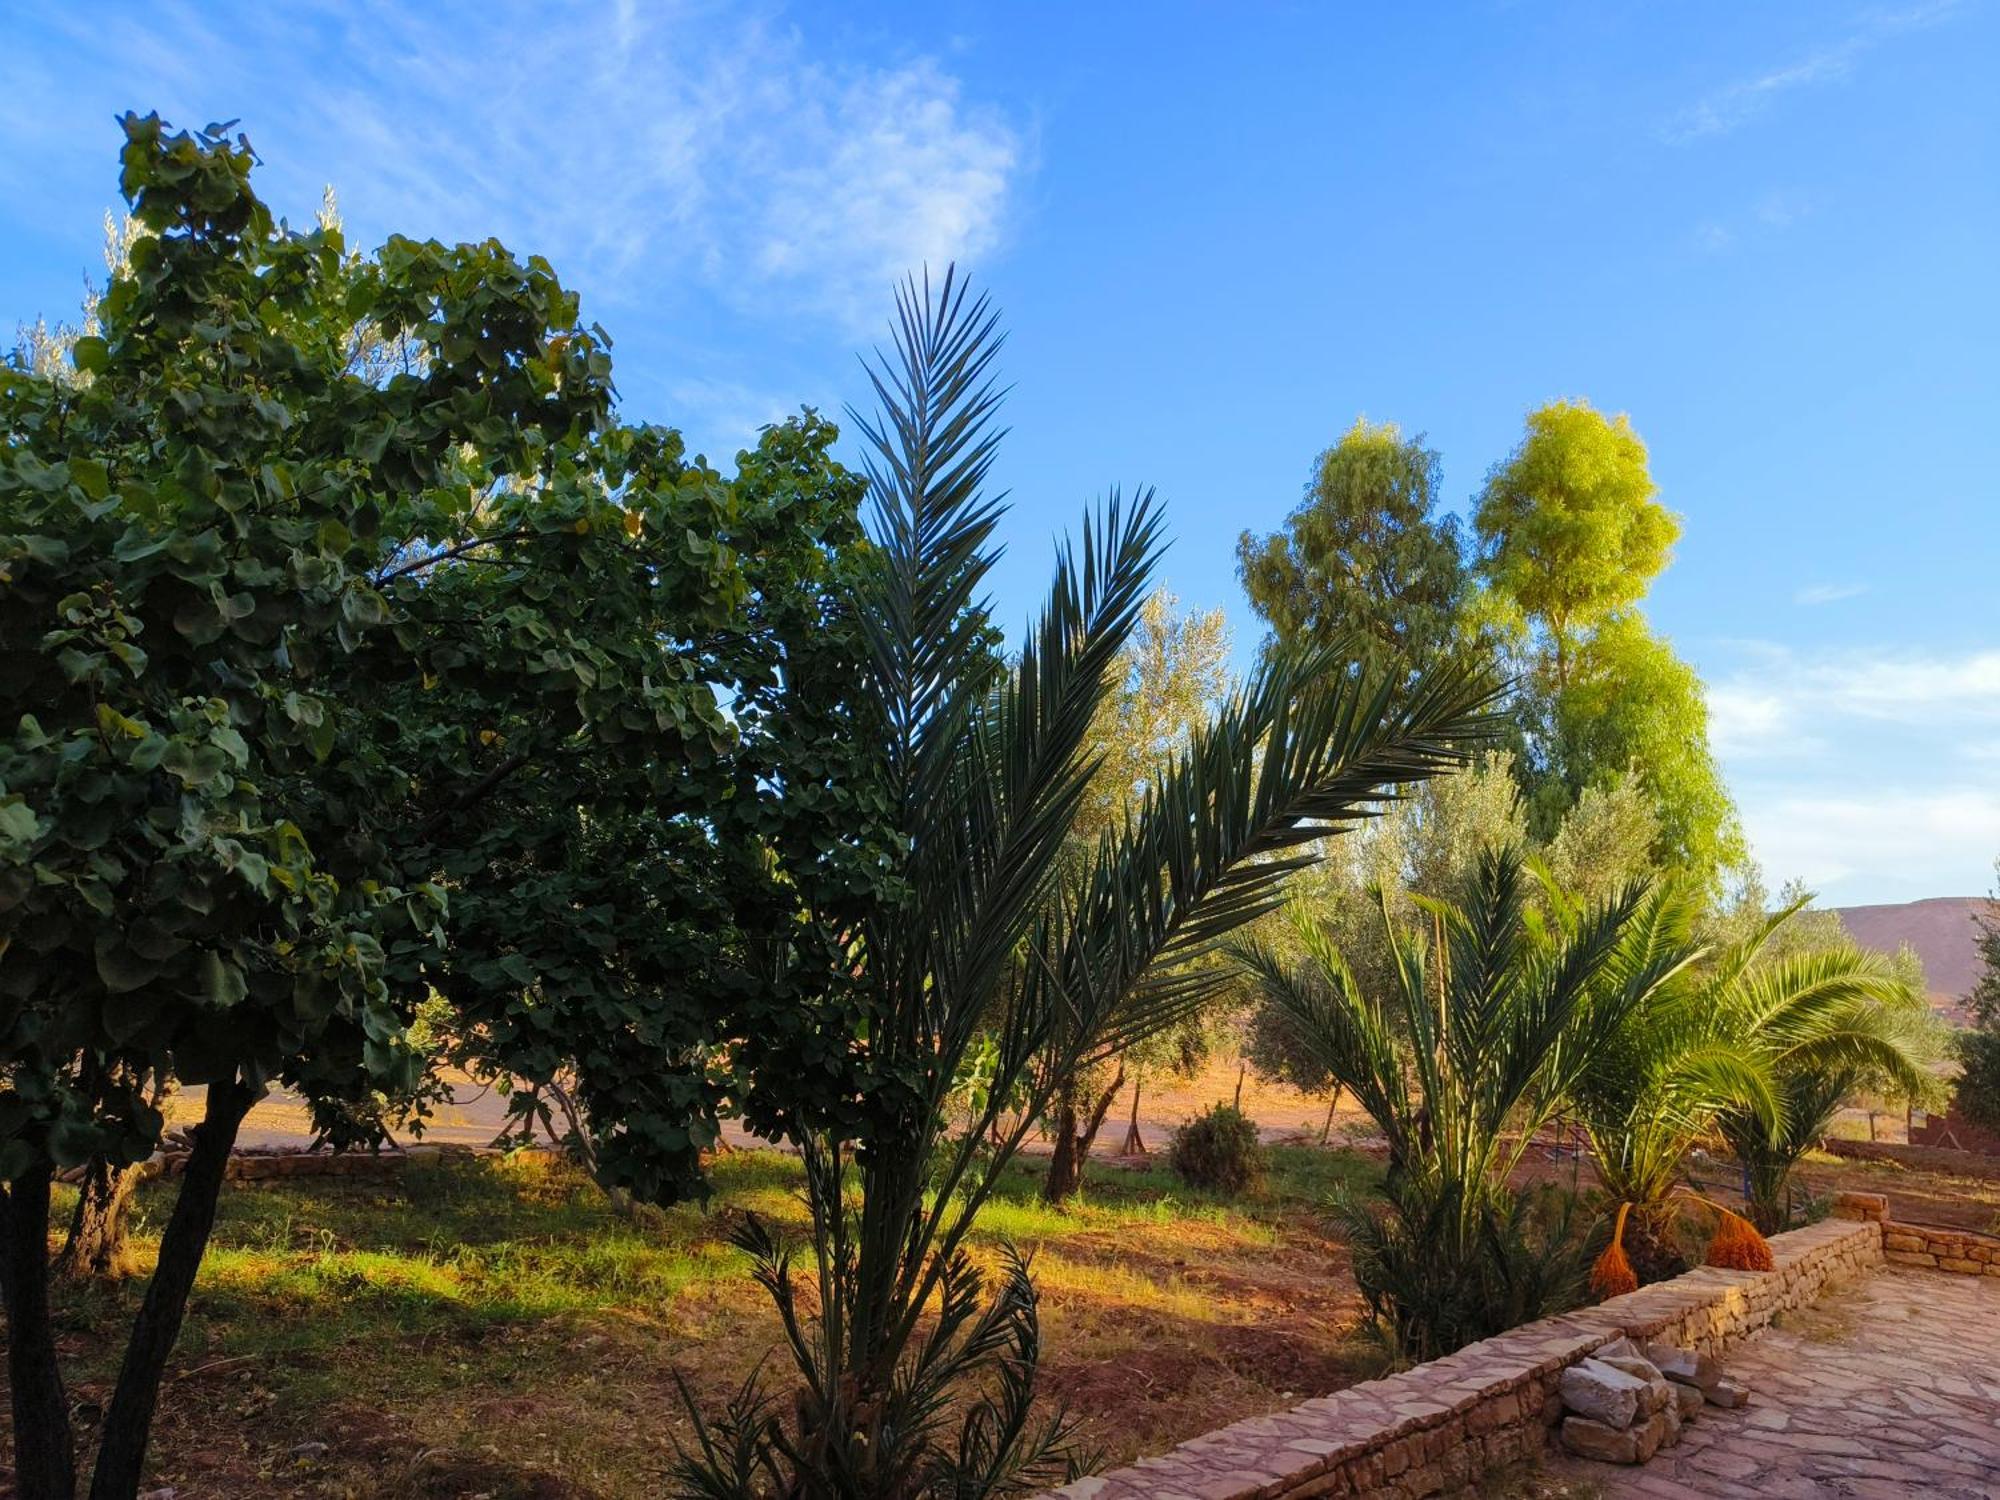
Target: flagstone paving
<point x="1885" y="1390"/>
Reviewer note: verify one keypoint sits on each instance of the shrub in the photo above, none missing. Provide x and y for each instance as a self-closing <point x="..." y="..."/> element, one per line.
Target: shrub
<point x="1219" y="1151"/>
<point x="1437" y="1276"/>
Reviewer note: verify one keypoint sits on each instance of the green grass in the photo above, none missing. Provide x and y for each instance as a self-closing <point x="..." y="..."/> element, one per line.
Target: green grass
<point x="416" y="1308"/>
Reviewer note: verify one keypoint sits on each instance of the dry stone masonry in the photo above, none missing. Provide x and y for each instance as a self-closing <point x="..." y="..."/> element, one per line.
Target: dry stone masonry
<point x="1623" y="1404"/>
<point x="1443" y="1426"/>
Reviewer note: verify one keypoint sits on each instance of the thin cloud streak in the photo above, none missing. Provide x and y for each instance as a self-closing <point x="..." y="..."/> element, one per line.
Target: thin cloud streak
<point x="1785" y="697"/>
<point x="1828" y="593"/>
<point x="1736" y="104"/>
<point x="1830" y="839"/>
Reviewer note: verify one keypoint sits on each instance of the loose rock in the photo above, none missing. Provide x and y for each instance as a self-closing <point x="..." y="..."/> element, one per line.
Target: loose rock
<point x="1589" y="1439"/>
<point x="1689" y="1399"/>
<point x="1602" y="1392"/>
<point x="1658" y="1393"/>
<point x="1650" y="1434"/>
<point x="1728" y="1393"/>
<point x="1684" y="1365"/>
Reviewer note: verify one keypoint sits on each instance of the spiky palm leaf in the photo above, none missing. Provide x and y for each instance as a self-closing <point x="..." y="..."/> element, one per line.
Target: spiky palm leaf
<point x="1828" y="1022"/>
<point x="985" y="770"/>
<point x="1752" y="1045"/>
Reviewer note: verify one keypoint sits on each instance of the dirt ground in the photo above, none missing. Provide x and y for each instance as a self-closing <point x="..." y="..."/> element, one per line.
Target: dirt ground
<point x="477" y="1114"/>
<point x="491" y="1328"/>
<point x="494" y="1335"/>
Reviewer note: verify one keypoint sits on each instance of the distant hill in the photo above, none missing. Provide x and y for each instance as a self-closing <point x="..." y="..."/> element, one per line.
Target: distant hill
<point x="1941" y="931"/>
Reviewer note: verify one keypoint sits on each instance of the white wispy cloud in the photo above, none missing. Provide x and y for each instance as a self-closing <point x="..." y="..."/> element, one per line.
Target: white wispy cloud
<point x="1737" y="103"/>
<point x="729" y="409"/>
<point x="1829" y="593"/>
<point x="1785" y="702"/>
<point x="1868" y="774"/>
<point x="640" y="146"/>
<point x="1891" y="837"/>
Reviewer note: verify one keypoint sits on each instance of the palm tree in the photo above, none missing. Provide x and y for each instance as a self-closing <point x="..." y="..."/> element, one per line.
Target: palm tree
<point x="1831" y="1024"/>
<point x="913" y="1381"/>
<point x="1492" y="1017"/>
<point x="1761" y="1047"/>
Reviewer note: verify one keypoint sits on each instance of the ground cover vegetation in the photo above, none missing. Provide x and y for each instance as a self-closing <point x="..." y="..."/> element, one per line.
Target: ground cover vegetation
<point x="381" y="707"/>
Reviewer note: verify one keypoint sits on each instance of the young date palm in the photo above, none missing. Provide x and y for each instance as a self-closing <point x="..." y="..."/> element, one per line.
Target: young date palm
<point x="1760" y="1047"/>
<point x="913" y="1381"/>
<point x="1492" y="1016"/>
<point x="1830" y="1023"/>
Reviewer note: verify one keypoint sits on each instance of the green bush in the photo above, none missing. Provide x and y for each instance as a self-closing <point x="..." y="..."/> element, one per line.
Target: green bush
<point x="1219" y="1151"/>
<point x="1437" y="1277"/>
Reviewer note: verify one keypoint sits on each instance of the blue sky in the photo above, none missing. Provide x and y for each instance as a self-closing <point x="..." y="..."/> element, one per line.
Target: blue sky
<point x="1219" y="233"/>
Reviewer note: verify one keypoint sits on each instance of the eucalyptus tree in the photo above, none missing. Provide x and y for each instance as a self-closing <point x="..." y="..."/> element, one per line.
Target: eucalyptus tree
<point x="1492" y="1018"/>
<point x="1367" y="556"/>
<point x="1571" y="535"/>
<point x="913" y="1381"/>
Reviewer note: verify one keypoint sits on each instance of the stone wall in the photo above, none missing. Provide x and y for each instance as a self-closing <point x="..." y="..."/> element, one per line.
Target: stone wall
<point x="1441" y="1426"/>
<point x="1938" y="1249"/>
<point x="1954" y="1131"/>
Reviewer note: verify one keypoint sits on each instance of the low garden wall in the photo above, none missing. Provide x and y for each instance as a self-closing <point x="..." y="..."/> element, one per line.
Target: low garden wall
<point x="1441" y="1426"/>
<point x="1938" y="1249"/>
<point x="1932" y="1247"/>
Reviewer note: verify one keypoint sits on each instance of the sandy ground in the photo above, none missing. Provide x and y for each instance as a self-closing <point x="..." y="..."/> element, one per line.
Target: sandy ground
<point x="477" y="1114"/>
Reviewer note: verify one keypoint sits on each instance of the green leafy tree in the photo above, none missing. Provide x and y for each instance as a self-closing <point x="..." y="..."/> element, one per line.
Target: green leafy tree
<point x="298" y="643"/>
<point x="1631" y="706"/>
<point x="1606" y="840"/>
<point x="912" y="1382"/>
<point x="1570" y="527"/>
<point x="625" y="887"/>
<point x="1367" y="557"/>
<point x="184" y="548"/>
<point x="1571" y="538"/>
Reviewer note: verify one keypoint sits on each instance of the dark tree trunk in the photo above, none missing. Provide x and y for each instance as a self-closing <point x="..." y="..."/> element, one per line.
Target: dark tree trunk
<point x="128" y="1421"/>
<point x="1065" y="1175"/>
<point x="44" y="1452"/>
<point x="97" y="1241"/>
<point x="1326" y="1130"/>
<point x="1237" y="1103"/>
<point x="1651" y="1244"/>
<point x="1135" y="1143"/>
<point x="1073" y="1144"/>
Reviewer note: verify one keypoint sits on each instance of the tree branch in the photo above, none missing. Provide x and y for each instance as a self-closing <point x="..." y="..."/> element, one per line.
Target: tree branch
<point x="431" y="559"/>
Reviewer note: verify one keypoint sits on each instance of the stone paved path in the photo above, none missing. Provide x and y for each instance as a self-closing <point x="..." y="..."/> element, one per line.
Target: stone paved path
<point x="1888" y="1390"/>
